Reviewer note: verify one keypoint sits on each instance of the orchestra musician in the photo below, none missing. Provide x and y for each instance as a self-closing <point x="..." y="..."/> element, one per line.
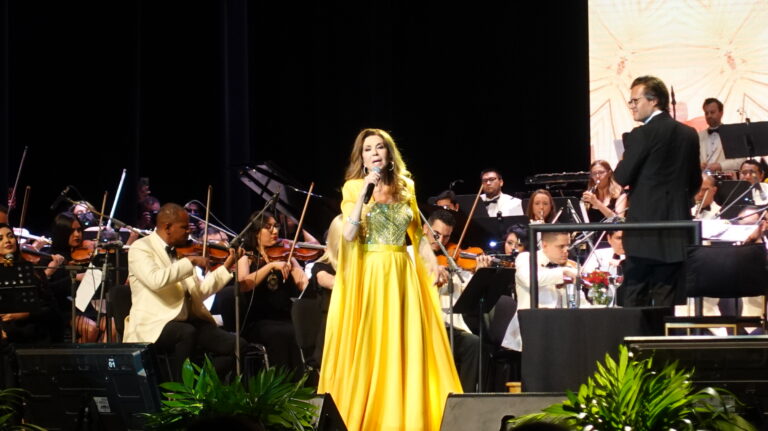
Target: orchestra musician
<point x="269" y="284"/>
<point x="752" y="171"/>
<point x="711" y="154"/>
<point x="41" y="326"/>
<point x="608" y="259"/>
<point x="541" y="207"/>
<point x="66" y="238"/>
<point x="515" y="239"/>
<point x="554" y="270"/>
<point x="387" y="361"/>
<point x="494" y="199"/>
<point x="465" y="344"/>
<point x="445" y="199"/>
<point x="661" y="167"/>
<point x="603" y="197"/>
<point x="706" y="208"/>
<point x="167" y="296"/>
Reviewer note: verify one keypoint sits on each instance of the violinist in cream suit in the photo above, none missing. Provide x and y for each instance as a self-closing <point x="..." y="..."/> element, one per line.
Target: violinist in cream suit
<point x="167" y="295"/>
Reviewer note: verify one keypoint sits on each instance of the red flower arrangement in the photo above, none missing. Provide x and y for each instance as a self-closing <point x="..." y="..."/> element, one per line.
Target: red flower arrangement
<point x="597" y="278"/>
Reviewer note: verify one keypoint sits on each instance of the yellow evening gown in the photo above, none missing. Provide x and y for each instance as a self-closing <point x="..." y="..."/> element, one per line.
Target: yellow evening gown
<point x="387" y="361"/>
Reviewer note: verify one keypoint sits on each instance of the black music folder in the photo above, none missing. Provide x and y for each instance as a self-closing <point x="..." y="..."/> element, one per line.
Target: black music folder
<point x="744" y="139"/>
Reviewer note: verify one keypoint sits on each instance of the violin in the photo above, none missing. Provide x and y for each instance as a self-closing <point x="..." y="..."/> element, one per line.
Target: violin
<point x="83" y="254"/>
<point x="217" y="251"/>
<point x="303" y="251"/>
<point x="33" y="255"/>
<point x="467" y="258"/>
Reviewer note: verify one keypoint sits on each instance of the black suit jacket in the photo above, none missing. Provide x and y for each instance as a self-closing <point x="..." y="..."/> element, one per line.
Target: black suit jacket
<point x="661" y="167"/>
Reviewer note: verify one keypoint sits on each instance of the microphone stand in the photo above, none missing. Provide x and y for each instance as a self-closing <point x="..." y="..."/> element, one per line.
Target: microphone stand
<point x="585" y="236"/>
<point x="236" y="242"/>
<point x="452" y="269"/>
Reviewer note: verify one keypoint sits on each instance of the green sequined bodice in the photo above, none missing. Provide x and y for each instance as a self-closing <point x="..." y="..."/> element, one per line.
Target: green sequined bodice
<point x="387" y="223"/>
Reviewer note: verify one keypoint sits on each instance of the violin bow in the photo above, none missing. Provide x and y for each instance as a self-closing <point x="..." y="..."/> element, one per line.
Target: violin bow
<point x="117" y="197"/>
<point x="101" y="220"/>
<point x="301" y="222"/>
<point x="466" y="225"/>
<point x="207" y="214"/>
<point x="24" y="209"/>
<point x="12" y="197"/>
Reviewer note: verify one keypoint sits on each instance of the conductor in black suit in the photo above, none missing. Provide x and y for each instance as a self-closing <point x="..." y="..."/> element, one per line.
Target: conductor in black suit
<point x="661" y="167"/>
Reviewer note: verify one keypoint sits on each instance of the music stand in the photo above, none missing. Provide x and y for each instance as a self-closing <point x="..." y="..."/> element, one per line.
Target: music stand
<point x="744" y="139"/>
<point x="728" y="191"/>
<point x="481" y="294"/>
<point x="19" y="289"/>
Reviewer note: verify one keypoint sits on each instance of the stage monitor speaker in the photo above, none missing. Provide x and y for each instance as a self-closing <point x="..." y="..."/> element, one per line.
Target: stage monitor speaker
<point x="485" y="412"/>
<point x="89" y="386"/>
<point x="328" y="418"/>
<point x="736" y="363"/>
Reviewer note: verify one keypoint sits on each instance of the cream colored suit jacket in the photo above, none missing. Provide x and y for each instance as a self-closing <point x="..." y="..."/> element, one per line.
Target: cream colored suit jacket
<point x="158" y="288"/>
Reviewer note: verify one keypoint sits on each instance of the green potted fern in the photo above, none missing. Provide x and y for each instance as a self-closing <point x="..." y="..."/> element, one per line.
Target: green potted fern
<point x="630" y="394"/>
<point x="11" y="403"/>
<point x="270" y="401"/>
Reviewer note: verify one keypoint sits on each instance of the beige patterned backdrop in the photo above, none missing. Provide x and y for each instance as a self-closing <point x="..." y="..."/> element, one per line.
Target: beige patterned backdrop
<point x="700" y="48"/>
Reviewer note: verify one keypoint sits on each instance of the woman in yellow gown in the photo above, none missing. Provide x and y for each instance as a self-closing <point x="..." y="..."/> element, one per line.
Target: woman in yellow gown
<point x="387" y="362"/>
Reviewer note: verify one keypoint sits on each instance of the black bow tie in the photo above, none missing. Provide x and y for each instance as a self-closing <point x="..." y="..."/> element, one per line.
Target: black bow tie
<point x="616" y="256"/>
<point x="491" y="201"/>
<point x="552" y="265"/>
<point x="713" y="130"/>
<point x="171" y="251"/>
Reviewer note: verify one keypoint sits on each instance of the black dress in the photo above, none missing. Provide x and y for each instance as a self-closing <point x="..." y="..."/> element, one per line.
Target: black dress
<point x="594" y="214"/>
<point x="266" y="317"/>
<point x="323" y="298"/>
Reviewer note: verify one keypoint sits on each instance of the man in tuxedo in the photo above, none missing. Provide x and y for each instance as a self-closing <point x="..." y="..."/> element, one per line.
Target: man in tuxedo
<point x="497" y="202"/>
<point x="661" y="167"/>
<point x="167" y="295"/>
<point x="711" y="152"/>
<point x="706" y="206"/>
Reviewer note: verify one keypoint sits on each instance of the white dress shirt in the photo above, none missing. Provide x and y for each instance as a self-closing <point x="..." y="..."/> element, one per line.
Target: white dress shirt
<point x="711" y="151"/>
<point x="602" y="260"/>
<point x="549" y="295"/>
<point x="706" y="213"/>
<point x="508" y="205"/>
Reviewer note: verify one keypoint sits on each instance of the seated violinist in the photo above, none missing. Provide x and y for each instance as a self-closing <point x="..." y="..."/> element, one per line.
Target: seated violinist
<point x="167" y="296"/>
<point x="541" y="207"/>
<point x="706" y="208"/>
<point x="465" y="352"/>
<point x="269" y="284"/>
<point x="445" y="199"/>
<point x="67" y="242"/>
<point x="41" y="326"/>
<point x="554" y="269"/>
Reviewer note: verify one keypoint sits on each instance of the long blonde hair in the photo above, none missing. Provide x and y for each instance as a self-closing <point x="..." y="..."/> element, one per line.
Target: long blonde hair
<point x="614" y="189"/>
<point x="392" y="175"/>
<point x="331" y="254"/>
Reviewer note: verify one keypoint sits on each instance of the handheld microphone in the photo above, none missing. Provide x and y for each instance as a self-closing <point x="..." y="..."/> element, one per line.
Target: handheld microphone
<point x="60" y="198"/>
<point x="369" y="190"/>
